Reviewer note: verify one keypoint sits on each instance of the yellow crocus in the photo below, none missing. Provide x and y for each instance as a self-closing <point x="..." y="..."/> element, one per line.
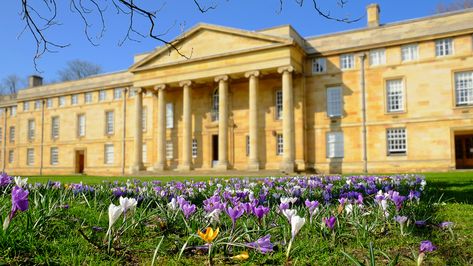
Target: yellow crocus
<point x="242" y="256"/>
<point x="209" y="234"/>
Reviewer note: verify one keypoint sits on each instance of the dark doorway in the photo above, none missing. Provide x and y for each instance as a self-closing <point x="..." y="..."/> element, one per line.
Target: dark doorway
<point x="80" y="161"/>
<point x="464" y="151"/>
<point x="214" y="150"/>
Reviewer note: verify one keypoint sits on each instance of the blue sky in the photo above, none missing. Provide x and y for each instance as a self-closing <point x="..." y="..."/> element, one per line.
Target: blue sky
<point x="17" y="53"/>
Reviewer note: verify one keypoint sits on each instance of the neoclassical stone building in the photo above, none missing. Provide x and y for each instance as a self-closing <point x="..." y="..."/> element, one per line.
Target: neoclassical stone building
<point x="385" y="98"/>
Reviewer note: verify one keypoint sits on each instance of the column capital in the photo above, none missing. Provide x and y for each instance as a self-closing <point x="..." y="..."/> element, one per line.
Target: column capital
<point x="221" y="78"/>
<point x="159" y="87"/>
<point x="185" y="83"/>
<point x="285" y="69"/>
<point x="137" y="89"/>
<point x="255" y="73"/>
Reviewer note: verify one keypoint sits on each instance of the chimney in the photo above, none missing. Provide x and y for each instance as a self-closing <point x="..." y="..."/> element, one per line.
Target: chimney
<point x="34" y="81"/>
<point x="372" y="12"/>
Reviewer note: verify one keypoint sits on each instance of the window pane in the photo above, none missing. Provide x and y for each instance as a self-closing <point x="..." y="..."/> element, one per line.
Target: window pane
<point x="464" y="88"/>
<point x="395" y="95"/>
<point x="335" y="145"/>
<point x="279" y="104"/>
<point x="396" y="141"/>
<point x="334" y="101"/>
<point x="169" y="115"/>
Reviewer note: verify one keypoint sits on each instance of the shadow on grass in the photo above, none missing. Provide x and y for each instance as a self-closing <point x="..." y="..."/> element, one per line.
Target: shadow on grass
<point x="460" y="192"/>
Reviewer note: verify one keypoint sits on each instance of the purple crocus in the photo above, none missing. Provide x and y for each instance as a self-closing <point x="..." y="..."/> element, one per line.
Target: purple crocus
<point x="188" y="209"/>
<point x="19" y="201"/>
<point x="426" y="246"/>
<point x="398" y="200"/>
<point x="420" y="223"/>
<point x="260" y="211"/>
<point x="4" y="179"/>
<point x="446" y="225"/>
<point x="263" y="244"/>
<point x="330" y="222"/>
<point x="235" y="213"/>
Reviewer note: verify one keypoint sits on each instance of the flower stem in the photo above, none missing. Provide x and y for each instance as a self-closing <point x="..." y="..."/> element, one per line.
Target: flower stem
<point x="289" y="248"/>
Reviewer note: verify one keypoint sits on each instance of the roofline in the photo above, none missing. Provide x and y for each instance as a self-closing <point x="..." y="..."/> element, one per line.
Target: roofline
<point x="392" y="24"/>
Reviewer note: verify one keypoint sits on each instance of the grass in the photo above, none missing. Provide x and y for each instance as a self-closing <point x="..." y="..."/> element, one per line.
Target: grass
<point x="453" y="191"/>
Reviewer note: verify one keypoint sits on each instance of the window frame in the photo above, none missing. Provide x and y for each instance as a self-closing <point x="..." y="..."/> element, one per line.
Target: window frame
<point x="31" y="127"/>
<point x="388" y="97"/>
<point x="106" y="159"/>
<point x="88" y="97"/>
<point x="102" y="95"/>
<point x="54" y="156"/>
<point x="380" y="57"/>
<point x="62" y="101"/>
<point x="411" y="58"/>
<point x="30" y="160"/>
<point x="318" y="68"/>
<point x="11" y="156"/>
<point x="55" y="132"/>
<point x="169" y="150"/>
<point x="37" y="104"/>
<point x="26" y="106"/>
<point x="49" y="103"/>
<point x="169" y="115"/>
<point x="80" y="126"/>
<point x="398" y="152"/>
<point x="443" y="44"/>
<point x="107" y="131"/>
<point x="279" y="144"/>
<point x="469" y="90"/>
<point x="117" y="93"/>
<point x="338" y="144"/>
<point x="194" y="148"/>
<point x="11" y="134"/>
<point x="278" y="104"/>
<point x="214" y="111"/>
<point x="329" y="102"/>
<point x="144" y="152"/>
<point x="343" y="59"/>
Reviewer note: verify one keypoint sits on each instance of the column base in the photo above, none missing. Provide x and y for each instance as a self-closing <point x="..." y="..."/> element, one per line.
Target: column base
<point x="159" y="167"/>
<point x="287" y="167"/>
<point x="136" y="168"/>
<point x="253" y="166"/>
<point x="221" y="166"/>
<point x="184" y="168"/>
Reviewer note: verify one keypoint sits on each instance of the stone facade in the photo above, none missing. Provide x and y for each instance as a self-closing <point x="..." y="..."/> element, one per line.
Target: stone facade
<point x="259" y="100"/>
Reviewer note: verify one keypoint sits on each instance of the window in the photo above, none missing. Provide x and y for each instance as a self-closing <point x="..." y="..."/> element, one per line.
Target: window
<point x="11" y="156"/>
<point x="13" y="111"/>
<point x="194" y="148"/>
<point x="117" y="93"/>
<point x="215" y="105"/>
<point x="54" y="156"/>
<point x="279" y="144"/>
<point x="396" y="141"/>
<point x="395" y="95"/>
<point x="334" y="101"/>
<point x="169" y="115"/>
<point x="132" y="93"/>
<point x="247" y="141"/>
<point x="169" y="150"/>
<point x="49" y="103"/>
<point x="29" y="156"/>
<point x="347" y="61"/>
<point x="444" y="47"/>
<point x="62" y="101"/>
<point x="109" y="122"/>
<point x="37" y="104"/>
<point x="88" y="97"/>
<point x="334" y="144"/>
<point x="319" y="65"/>
<point x="144" y="118"/>
<point x="145" y="153"/>
<point x="279" y="104"/>
<point x="109" y="154"/>
<point x="378" y="57"/>
<point x="409" y="52"/>
<point x="74" y="99"/>
<point x="81" y="125"/>
<point x="26" y="106"/>
<point x="102" y="95"/>
<point x="31" y="129"/>
<point x="464" y="88"/>
<point x="12" y="134"/>
<point x="55" y="127"/>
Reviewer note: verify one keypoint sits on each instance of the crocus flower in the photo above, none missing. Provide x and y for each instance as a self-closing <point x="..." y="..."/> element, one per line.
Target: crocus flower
<point x="242" y="256"/>
<point x="114" y="213"/>
<point x="260" y="211"/>
<point x="289" y="213"/>
<point x="397" y="199"/>
<point x="188" y="209"/>
<point x="401" y="220"/>
<point x="214" y="216"/>
<point x="330" y="222"/>
<point x="128" y="204"/>
<point x="4" y="179"/>
<point x="209" y="234"/>
<point x="425" y="246"/>
<point x="235" y="213"/>
<point x="20" y="182"/>
<point x="173" y="204"/>
<point x="313" y="207"/>
<point x="446" y="225"/>
<point x="19" y="201"/>
<point x="296" y="224"/>
<point x="420" y="223"/>
<point x="263" y="244"/>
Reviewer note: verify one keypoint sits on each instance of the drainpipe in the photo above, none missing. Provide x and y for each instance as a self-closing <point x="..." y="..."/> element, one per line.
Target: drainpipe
<point x="42" y="138"/>
<point x="4" y="138"/>
<point x="363" y="111"/>
<point x="124" y="131"/>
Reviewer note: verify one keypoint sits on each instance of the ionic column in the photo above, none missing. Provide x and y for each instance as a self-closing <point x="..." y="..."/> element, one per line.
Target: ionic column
<point x="288" y="163"/>
<point x="160" y="164"/>
<point x="253" y="160"/>
<point x="187" y="126"/>
<point x="222" y="122"/>
<point x="138" y="142"/>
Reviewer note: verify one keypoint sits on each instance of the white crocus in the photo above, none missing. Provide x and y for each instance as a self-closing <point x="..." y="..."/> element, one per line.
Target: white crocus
<point x="114" y="213"/>
<point x="349" y="208"/>
<point x="173" y="204"/>
<point x="128" y="204"/>
<point x="20" y="182"/>
<point x="214" y="216"/>
<point x="289" y="213"/>
<point x="296" y="224"/>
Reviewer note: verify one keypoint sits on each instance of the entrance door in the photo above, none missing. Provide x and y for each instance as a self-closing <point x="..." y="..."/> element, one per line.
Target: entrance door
<point x="464" y="151"/>
<point x="80" y="162"/>
<point x="214" y="150"/>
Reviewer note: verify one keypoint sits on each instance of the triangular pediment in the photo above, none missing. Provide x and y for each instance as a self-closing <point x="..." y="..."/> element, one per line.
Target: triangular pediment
<point x="204" y="41"/>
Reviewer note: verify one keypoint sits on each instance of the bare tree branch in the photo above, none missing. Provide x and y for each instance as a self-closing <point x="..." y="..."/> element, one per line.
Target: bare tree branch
<point x="453" y="6"/>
